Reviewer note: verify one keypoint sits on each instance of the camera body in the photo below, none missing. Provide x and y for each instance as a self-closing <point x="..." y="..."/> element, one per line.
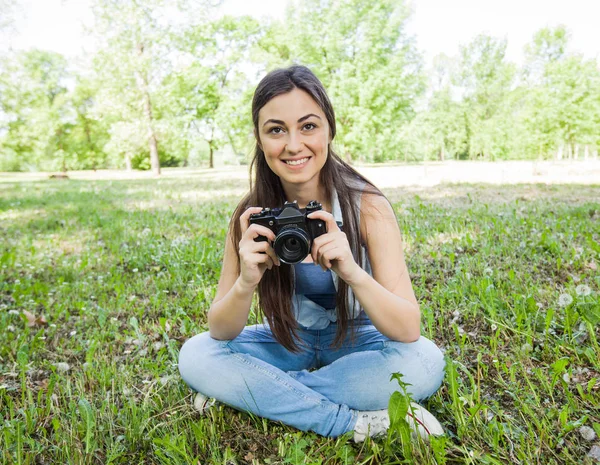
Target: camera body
<point x="294" y="232"/>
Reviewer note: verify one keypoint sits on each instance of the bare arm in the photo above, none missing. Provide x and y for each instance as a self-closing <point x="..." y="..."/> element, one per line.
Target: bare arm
<point x="387" y="297"/>
<point x="229" y="311"/>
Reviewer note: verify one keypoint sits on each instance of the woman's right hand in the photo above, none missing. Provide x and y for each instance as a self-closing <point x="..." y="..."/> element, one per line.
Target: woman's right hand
<point x="255" y="257"/>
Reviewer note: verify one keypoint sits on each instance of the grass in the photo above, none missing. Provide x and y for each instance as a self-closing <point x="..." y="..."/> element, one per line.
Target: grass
<point x="102" y="281"/>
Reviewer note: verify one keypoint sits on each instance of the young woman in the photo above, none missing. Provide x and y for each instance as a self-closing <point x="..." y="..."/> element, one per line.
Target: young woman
<point x="338" y="324"/>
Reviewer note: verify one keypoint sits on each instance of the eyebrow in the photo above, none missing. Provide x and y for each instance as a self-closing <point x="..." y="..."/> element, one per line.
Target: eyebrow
<point x="278" y="121"/>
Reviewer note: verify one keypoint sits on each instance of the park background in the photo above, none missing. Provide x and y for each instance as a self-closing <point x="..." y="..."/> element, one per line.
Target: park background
<point x="105" y="272"/>
<point x="168" y="83"/>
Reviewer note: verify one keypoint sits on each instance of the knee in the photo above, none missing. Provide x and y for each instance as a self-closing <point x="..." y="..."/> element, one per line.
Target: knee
<point x="195" y="356"/>
<point x="427" y="366"/>
<point x="433" y="361"/>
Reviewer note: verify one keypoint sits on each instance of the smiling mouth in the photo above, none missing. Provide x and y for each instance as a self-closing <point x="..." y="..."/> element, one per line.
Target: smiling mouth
<point x="296" y="162"/>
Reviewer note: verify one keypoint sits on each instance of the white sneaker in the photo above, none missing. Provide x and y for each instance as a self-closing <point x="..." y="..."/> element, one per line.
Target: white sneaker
<point x="421" y="421"/>
<point x="371" y="423"/>
<point x="202" y="403"/>
<point x="376" y="423"/>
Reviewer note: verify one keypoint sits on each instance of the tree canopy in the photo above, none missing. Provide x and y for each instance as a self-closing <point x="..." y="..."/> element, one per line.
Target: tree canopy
<point x="170" y="84"/>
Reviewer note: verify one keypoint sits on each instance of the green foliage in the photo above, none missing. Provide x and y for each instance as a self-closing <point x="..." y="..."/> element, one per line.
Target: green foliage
<point x="171" y="84"/>
<point x="369" y="65"/>
<point x="483" y="107"/>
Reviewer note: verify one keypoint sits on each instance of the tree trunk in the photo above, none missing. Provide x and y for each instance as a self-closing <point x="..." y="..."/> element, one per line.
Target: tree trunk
<point x="586" y="153"/>
<point x="128" y="161"/>
<point x="211" y="161"/>
<point x="90" y="143"/>
<point x="152" y="141"/>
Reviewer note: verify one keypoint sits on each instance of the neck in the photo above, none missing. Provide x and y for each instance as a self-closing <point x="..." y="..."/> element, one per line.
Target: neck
<point x="304" y="193"/>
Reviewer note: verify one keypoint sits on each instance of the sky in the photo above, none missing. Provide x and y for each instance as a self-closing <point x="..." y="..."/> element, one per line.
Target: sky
<point x="439" y="26"/>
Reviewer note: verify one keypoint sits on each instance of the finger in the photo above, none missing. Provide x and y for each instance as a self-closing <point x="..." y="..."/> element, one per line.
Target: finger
<point x="245" y="217"/>
<point x="265" y="248"/>
<point x="327" y="217"/>
<point x="320" y="242"/>
<point x="273" y="255"/>
<point x="266" y="260"/>
<point x="255" y="230"/>
<point x="327" y="254"/>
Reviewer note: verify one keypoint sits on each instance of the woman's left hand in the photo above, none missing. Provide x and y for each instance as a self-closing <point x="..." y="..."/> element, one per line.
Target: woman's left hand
<point x="332" y="250"/>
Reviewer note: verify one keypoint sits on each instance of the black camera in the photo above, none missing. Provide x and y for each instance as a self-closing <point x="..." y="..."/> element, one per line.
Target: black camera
<point x="293" y="230"/>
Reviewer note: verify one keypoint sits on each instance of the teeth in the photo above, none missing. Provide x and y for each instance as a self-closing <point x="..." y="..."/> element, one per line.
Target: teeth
<point x="297" y="162"/>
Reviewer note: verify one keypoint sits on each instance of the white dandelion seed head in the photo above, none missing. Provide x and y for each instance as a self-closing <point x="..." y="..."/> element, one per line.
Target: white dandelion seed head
<point x="488" y="271"/>
<point x="565" y="300"/>
<point x="526" y="347"/>
<point x="180" y="241"/>
<point x="583" y="290"/>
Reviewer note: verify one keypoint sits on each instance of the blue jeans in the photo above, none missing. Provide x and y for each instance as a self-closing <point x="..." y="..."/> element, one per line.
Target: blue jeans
<point x="254" y="373"/>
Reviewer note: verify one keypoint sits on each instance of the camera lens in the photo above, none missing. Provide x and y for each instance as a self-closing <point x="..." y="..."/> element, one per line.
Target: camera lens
<point x="292" y="245"/>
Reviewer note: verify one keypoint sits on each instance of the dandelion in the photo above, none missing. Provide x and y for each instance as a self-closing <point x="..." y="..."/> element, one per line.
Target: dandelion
<point x="583" y="290"/>
<point x="62" y="367"/>
<point x="565" y="300"/>
<point x="526" y="347"/>
<point x="72" y="333"/>
<point x="488" y="271"/>
<point x="179" y="242"/>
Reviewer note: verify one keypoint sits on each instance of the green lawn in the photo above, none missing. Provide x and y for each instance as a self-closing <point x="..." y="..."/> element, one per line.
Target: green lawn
<point x="116" y="275"/>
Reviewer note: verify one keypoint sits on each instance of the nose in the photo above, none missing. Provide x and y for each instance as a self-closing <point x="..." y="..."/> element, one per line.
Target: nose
<point x="294" y="144"/>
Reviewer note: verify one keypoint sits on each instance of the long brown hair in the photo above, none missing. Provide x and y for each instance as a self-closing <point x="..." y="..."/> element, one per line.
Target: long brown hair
<point x="276" y="285"/>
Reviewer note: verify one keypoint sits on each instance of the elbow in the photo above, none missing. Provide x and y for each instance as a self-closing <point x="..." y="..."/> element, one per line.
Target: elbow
<point x="411" y="330"/>
<point x="412" y="336"/>
<point x="219" y="331"/>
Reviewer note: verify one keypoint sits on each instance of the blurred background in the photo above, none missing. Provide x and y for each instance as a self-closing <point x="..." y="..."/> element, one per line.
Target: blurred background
<point x="132" y="84"/>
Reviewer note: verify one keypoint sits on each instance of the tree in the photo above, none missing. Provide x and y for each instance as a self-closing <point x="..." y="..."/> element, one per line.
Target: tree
<point x="134" y="59"/>
<point x="485" y="80"/>
<point x="37" y="112"/>
<point x="562" y="105"/>
<point x="368" y="63"/>
<point x="211" y="95"/>
<point x="89" y="134"/>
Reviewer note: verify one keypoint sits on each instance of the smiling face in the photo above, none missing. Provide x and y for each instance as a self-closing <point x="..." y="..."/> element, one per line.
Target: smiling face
<point x="293" y="133"/>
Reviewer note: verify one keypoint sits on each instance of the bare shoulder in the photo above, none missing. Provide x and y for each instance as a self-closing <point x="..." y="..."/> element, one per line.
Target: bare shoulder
<point x="376" y="215"/>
